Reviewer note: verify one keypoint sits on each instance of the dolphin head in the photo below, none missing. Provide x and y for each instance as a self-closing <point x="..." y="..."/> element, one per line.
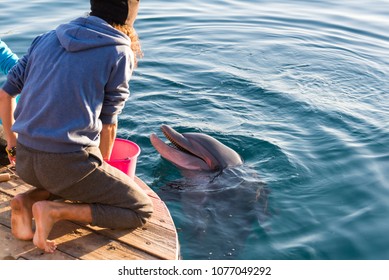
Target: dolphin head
<point x="194" y="151"/>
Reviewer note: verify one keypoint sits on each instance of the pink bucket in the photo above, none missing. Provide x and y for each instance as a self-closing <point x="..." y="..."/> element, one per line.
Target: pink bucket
<point x="124" y="156"/>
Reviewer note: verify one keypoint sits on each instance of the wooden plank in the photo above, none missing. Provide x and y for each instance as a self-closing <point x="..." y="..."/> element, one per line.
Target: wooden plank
<point x="5" y="210"/>
<point x="71" y="239"/>
<point x="157" y="237"/>
<point x="14" y="186"/>
<point x="146" y="188"/>
<point x="12" y="249"/>
<point x="152" y="238"/>
<point x="156" y="240"/>
<point x="87" y="245"/>
<point x="161" y="214"/>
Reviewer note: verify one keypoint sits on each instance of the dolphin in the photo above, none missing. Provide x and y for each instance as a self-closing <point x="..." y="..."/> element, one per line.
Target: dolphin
<point x="195" y="151"/>
<point x="222" y="202"/>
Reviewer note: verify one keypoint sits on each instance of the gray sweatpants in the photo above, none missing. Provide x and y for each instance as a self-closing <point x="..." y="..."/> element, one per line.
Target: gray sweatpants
<point x="116" y="200"/>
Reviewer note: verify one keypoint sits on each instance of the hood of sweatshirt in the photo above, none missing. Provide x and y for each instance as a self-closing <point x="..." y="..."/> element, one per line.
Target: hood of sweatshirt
<point x="89" y="32"/>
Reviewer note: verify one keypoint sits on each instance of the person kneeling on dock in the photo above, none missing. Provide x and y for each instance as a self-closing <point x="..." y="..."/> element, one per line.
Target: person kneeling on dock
<point x="73" y="83"/>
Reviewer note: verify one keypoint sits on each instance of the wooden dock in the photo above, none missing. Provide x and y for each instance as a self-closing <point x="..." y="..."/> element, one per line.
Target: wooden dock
<point x="157" y="240"/>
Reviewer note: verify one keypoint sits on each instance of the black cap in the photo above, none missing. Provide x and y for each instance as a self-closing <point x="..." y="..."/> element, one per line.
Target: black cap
<point x="112" y="11"/>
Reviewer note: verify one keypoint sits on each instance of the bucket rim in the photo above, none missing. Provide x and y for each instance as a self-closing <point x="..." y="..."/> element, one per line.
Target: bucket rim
<point x="128" y="158"/>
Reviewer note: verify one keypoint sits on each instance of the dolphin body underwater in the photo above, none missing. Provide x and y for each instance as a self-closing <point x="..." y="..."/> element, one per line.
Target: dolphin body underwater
<point x="222" y="203"/>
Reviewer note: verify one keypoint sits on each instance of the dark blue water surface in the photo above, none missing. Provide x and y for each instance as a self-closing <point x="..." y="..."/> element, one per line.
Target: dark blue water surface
<point x="299" y="89"/>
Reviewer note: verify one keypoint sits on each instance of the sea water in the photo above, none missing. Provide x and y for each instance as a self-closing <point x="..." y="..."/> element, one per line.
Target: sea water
<point x="298" y="88"/>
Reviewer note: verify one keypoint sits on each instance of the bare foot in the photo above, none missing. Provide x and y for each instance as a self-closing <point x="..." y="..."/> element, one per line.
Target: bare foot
<point x="21" y="217"/>
<point x="45" y="215"/>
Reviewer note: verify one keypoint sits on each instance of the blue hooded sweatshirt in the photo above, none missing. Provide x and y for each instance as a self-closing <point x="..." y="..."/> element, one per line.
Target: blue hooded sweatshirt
<point x="71" y="81"/>
<point x="7" y="58"/>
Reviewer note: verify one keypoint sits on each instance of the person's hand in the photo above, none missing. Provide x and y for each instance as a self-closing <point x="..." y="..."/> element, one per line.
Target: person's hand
<point x="11" y="151"/>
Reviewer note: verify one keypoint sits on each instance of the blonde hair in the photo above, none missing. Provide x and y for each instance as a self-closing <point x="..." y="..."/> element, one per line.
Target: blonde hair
<point x="135" y="43"/>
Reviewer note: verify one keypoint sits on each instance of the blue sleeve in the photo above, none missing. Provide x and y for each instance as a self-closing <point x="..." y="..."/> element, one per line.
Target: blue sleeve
<point x="117" y="90"/>
<point x="7" y="58"/>
<point x="15" y="79"/>
<point x="16" y="76"/>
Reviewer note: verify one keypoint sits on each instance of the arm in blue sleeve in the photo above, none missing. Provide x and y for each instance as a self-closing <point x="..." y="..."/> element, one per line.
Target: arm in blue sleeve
<point x="117" y="90"/>
<point x="15" y="79"/>
<point x="7" y="58"/>
<point x="16" y="75"/>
